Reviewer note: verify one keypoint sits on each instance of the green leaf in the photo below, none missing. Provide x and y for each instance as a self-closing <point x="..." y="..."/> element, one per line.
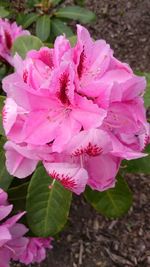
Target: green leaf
<point x="43" y="27"/>
<point x="112" y="203"/>
<point x="49" y="45"/>
<point x="2" y="99"/>
<point x="32" y="3"/>
<point x="17" y="196"/>
<point x="76" y="13"/>
<point x="59" y="27"/>
<point x="3" y="12"/>
<point x="27" y="19"/>
<point x="47" y="209"/>
<point x="80" y="2"/>
<point x="147" y="93"/>
<point x="3" y="70"/>
<point x="25" y="43"/>
<point x="5" y="177"/>
<point x="138" y="165"/>
<point x="56" y="2"/>
<point x="73" y="40"/>
<point x="4" y="3"/>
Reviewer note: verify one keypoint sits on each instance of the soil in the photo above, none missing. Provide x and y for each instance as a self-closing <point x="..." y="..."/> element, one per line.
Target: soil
<point x="90" y="240"/>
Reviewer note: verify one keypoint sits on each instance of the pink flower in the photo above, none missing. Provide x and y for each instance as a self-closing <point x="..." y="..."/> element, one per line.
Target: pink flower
<point x="12" y="242"/>
<point x="78" y="110"/>
<point x="8" y="33"/>
<point x="35" y="251"/>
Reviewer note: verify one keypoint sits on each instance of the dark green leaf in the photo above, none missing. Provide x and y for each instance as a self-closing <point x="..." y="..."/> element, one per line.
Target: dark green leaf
<point x="3" y="12"/>
<point x="2" y="99"/>
<point x="112" y="203"/>
<point x="59" y="27"/>
<point x="27" y="19"/>
<point x="25" y="43"/>
<point x="73" y="40"/>
<point x="17" y="196"/>
<point x="43" y="27"/>
<point x="50" y="45"/>
<point x="20" y="18"/>
<point x="79" y="2"/>
<point x="56" y="2"/>
<point x="76" y="13"/>
<point x="32" y="3"/>
<point x="138" y="165"/>
<point x="4" y="3"/>
<point x="47" y="209"/>
<point x="5" y="178"/>
<point x="3" y="70"/>
<point x="147" y="93"/>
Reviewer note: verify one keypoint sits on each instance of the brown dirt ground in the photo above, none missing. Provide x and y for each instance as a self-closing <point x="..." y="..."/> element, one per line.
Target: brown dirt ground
<point x="90" y="240"/>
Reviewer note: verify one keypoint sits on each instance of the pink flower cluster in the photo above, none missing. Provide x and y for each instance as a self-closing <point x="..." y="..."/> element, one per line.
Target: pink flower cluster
<point x="13" y="244"/>
<point x="8" y="33"/>
<point x="78" y="110"/>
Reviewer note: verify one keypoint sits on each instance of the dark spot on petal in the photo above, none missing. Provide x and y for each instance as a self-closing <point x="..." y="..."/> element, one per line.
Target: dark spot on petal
<point x="63" y="89"/>
<point x="65" y="180"/>
<point x="25" y="76"/>
<point x="80" y="67"/>
<point x="90" y="149"/>
<point x="8" y="40"/>
<point x="47" y="58"/>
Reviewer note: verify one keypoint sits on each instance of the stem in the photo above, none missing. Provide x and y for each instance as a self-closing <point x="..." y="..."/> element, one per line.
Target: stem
<point x="45" y="4"/>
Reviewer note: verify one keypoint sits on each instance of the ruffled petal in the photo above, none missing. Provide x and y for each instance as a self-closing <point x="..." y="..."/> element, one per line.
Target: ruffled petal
<point x="102" y="171"/>
<point x="71" y="176"/>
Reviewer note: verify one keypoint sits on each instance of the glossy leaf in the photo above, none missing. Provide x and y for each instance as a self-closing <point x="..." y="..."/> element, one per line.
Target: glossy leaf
<point x="147" y="93"/>
<point x="59" y="28"/>
<point x="4" y="3"/>
<point x="138" y="165"/>
<point x="76" y="13"/>
<point x="56" y="2"/>
<point x="17" y="196"/>
<point x="32" y="3"/>
<point x="3" y="12"/>
<point x="47" y="209"/>
<point x="25" y="43"/>
<point x="73" y="40"/>
<point x="3" y="70"/>
<point x="27" y="19"/>
<point x="5" y="177"/>
<point x="2" y="99"/>
<point x="43" y="27"/>
<point x="112" y="203"/>
<point x="80" y="2"/>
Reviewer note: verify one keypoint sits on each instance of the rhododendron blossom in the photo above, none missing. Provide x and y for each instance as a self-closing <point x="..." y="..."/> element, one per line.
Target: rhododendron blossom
<point x="78" y="110"/>
<point x="12" y="242"/>
<point x="35" y="251"/>
<point x="8" y="33"/>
